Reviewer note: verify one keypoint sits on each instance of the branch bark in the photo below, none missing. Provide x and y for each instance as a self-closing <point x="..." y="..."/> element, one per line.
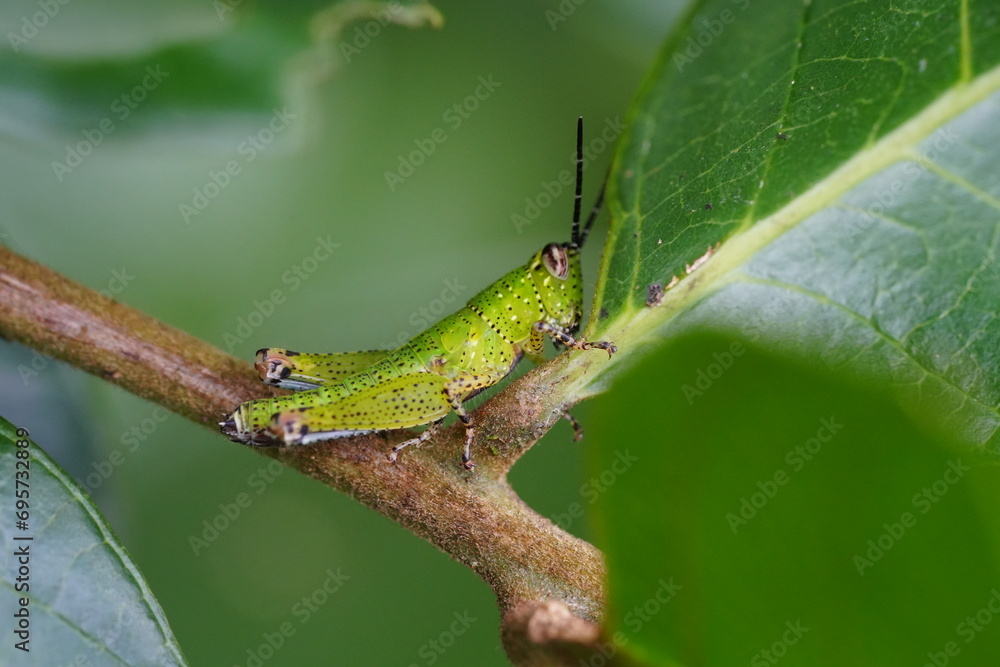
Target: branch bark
<point x="532" y="566"/>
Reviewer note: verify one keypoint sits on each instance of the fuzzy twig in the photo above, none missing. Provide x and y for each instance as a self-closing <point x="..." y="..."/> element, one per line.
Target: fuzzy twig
<point x="533" y="566"/>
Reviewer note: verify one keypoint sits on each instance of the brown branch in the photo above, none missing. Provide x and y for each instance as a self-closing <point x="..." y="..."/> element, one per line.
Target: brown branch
<point x="532" y="566"/>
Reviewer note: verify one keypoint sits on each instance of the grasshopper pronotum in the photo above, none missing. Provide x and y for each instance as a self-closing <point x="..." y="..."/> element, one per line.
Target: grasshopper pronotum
<point x="436" y="371"/>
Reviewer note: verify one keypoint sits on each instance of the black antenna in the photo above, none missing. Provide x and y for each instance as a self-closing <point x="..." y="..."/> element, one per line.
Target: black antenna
<point x="575" y="238"/>
<point x="593" y="215"/>
<point x="578" y="238"/>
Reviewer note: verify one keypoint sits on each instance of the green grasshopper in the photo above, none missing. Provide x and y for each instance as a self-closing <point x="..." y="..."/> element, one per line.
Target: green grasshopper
<point x="436" y="371"/>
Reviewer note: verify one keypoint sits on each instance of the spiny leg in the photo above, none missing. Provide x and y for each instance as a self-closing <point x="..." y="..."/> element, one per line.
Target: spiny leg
<point x="461" y="388"/>
<point x="428" y="433"/>
<point x="566" y="339"/>
<point x="577" y="429"/>
<point x="470" y="432"/>
<point x="454" y="392"/>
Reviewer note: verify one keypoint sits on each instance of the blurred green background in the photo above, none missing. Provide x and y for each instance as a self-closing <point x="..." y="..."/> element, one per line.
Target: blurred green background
<point x="114" y="222"/>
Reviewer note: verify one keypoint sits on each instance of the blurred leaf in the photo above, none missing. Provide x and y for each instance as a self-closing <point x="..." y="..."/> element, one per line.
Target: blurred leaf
<point x="753" y="509"/>
<point x="840" y="158"/>
<point x="106" y="29"/>
<point x="87" y="599"/>
<point x="204" y="72"/>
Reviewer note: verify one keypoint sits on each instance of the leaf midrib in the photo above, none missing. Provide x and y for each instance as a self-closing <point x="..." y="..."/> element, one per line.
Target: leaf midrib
<point x="633" y="326"/>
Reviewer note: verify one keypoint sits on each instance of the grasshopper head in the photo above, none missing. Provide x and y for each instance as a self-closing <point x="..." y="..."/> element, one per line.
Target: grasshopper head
<point x="556" y="268"/>
<point x="556" y="272"/>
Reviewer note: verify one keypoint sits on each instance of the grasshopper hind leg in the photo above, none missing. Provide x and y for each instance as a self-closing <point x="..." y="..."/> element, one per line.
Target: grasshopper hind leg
<point x="396" y="403"/>
<point x="302" y="371"/>
<point x="293" y="427"/>
<point x="470" y="432"/>
<point x="432" y="430"/>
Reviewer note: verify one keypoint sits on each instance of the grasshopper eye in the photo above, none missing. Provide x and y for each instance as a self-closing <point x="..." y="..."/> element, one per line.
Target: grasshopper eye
<point x="556" y="260"/>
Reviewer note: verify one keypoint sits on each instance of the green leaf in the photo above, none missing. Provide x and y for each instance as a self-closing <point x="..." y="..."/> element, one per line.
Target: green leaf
<point x="840" y="159"/>
<point x="114" y="72"/>
<point x="204" y="72"/>
<point x="87" y="603"/>
<point x="106" y="30"/>
<point x="756" y="511"/>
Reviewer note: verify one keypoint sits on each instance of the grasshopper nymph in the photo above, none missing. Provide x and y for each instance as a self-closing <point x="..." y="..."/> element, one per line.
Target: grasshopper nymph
<point x="436" y="371"/>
